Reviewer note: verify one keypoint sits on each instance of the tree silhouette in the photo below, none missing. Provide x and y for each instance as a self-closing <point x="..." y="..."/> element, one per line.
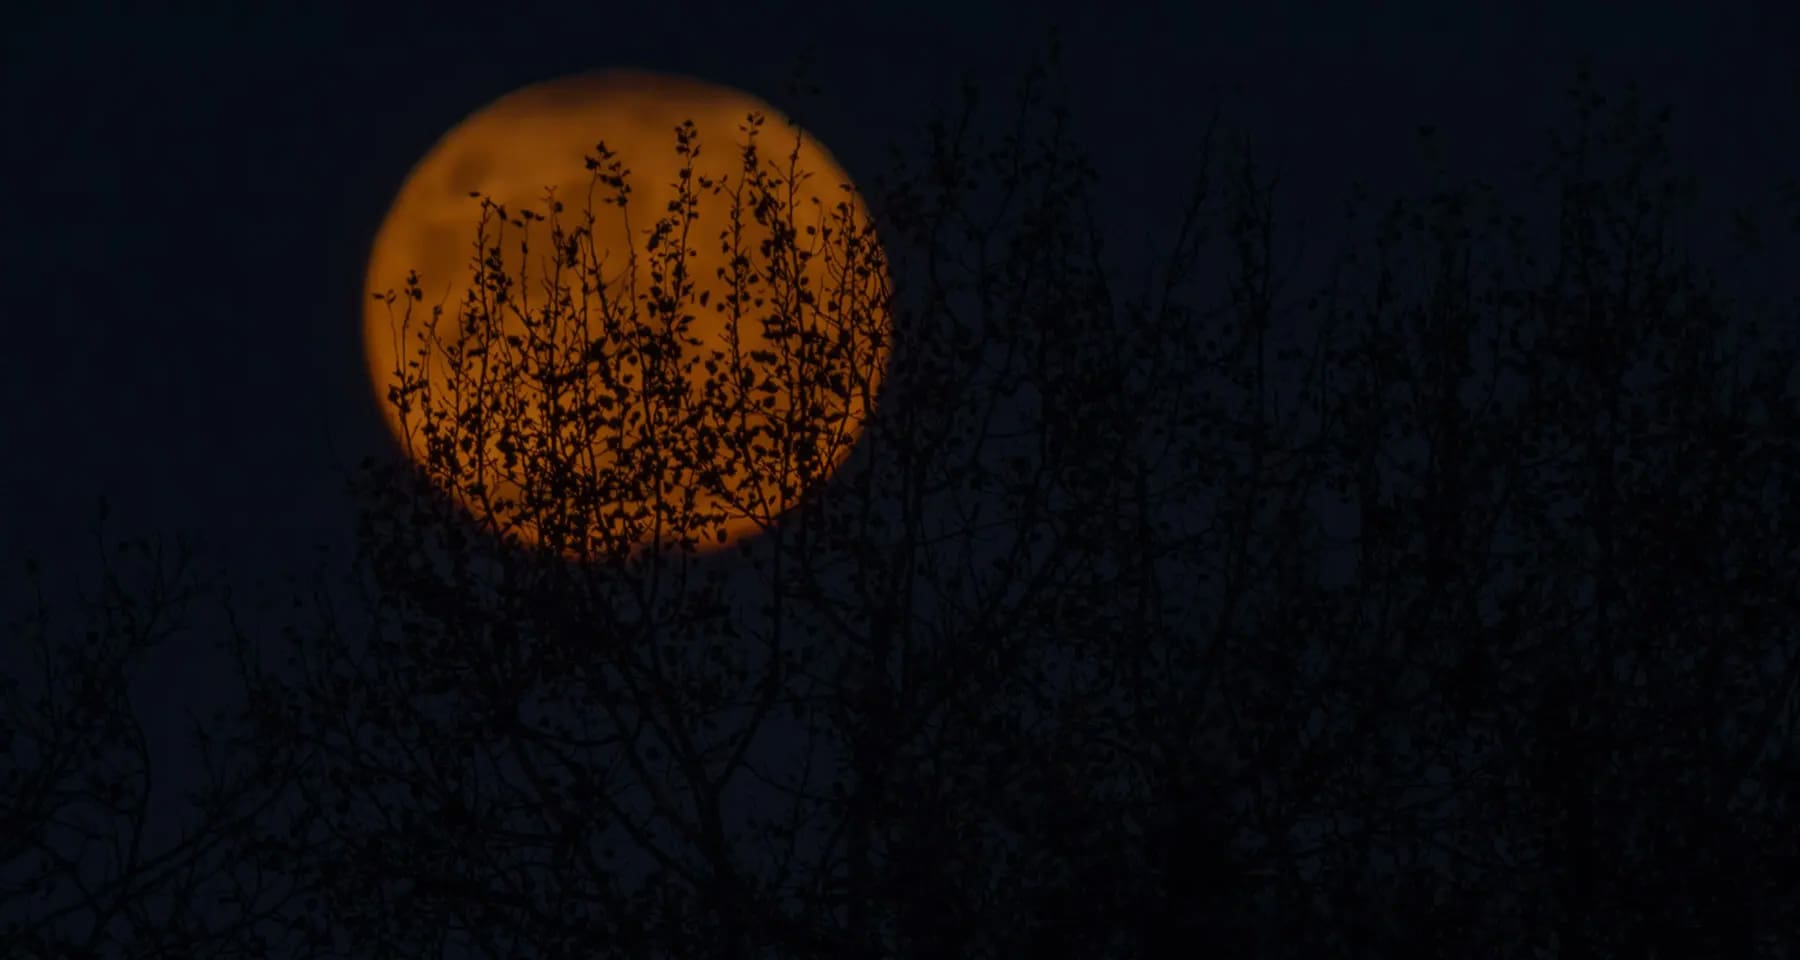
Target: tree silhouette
<point x="88" y="865"/>
<point x="1440" y="606"/>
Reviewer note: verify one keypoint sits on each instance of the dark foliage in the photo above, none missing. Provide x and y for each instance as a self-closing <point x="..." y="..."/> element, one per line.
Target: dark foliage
<point x="1444" y="609"/>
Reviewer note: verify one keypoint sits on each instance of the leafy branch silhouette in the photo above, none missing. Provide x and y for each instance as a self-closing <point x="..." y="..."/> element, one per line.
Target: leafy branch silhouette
<point x="1440" y="606"/>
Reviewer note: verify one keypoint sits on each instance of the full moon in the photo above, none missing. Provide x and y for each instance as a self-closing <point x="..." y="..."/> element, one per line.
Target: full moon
<point x="781" y="347"/>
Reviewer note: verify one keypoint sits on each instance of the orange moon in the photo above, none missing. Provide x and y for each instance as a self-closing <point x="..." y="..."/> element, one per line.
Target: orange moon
<point x="542" y="136"/>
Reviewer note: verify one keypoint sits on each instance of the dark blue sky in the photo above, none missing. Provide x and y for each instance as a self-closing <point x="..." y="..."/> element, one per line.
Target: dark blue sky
<point x="190" y="199"/>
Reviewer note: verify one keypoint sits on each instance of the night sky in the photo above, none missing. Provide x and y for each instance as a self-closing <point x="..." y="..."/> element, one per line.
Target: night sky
<point x="190" y="199"/>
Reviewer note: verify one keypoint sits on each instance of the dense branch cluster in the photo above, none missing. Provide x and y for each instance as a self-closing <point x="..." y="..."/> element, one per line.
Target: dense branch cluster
<point x="594" y="406"/>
